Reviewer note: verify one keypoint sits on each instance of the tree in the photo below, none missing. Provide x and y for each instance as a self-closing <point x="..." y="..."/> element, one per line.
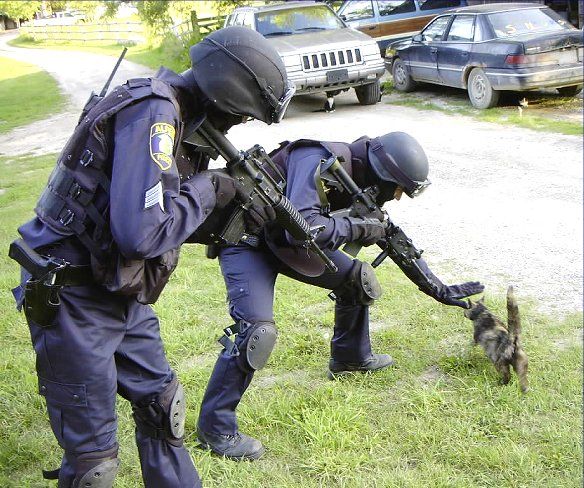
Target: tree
<point x="19" y="10"/>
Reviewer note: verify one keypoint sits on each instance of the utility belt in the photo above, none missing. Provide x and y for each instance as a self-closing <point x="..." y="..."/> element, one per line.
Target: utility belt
<point x="48" y="276"/>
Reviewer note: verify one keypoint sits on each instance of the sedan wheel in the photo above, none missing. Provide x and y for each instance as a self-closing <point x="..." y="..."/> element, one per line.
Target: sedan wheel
<point x="480" y="91"/>
<point x="402" y="80"/>
<point x="570" y="91"/>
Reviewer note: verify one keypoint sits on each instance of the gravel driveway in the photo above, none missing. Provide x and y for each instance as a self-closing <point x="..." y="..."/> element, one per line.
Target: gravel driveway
<point x="505" y="206"/>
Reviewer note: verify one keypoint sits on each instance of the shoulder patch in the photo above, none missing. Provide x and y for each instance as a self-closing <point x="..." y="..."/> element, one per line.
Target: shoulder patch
<point x="162" y="144"/>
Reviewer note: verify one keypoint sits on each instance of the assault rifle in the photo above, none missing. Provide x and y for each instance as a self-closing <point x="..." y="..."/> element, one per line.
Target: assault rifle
<point x="395" y="245"/>
<point x="262" y="184"/>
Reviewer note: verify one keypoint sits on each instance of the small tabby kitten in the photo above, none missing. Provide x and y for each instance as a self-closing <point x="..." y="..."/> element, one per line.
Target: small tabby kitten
<point x="501" y="344"/>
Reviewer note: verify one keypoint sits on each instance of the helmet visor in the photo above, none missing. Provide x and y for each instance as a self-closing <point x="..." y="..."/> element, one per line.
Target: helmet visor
<point x="279" y="108"/>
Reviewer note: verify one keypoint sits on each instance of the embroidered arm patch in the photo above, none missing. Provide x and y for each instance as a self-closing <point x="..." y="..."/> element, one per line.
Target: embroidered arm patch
<point x="161" y="144"/>
<point x="154" y="196"/>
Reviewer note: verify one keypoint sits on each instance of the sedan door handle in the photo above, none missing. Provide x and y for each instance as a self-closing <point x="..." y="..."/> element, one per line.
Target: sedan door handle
<point x="433" y="50"/>
<point x="371" y="27"/>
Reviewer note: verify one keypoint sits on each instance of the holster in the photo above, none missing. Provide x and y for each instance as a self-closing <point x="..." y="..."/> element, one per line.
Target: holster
<point x="41" y="302"/>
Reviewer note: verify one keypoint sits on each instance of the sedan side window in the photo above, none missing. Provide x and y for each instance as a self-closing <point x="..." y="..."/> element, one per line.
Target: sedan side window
<point x="462" y="29"/>
<point x="436" y="29"/>
<point x="358" y="10"/>
<point x="393" y="7"/>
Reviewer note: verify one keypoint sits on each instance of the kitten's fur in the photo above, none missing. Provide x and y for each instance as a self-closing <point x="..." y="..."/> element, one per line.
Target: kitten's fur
<point x="501" y="344"/>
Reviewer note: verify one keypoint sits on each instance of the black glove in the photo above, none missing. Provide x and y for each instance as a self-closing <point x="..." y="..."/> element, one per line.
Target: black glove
<point x="366" y="231"/>
<point x="257" y="216"/>
<point x="447" y="294"/>
<point x="451" y="294"/>
<point x="226" y="188"/>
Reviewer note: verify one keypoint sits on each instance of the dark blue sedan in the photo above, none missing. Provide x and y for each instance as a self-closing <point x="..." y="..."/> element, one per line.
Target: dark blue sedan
<point x="486" y="49"/>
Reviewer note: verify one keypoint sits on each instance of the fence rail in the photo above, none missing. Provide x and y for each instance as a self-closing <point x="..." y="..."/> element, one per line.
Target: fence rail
<point x="88" y="32"/>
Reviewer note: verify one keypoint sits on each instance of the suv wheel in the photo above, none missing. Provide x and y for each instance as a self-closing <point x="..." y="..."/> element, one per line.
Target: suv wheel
<point x="480" y="91"/>
<point x="369" y="94"/>
<point x="402" y="80"/>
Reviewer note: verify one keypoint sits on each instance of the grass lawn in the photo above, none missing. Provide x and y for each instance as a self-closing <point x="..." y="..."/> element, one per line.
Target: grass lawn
<point x="26" y="94"/>
<point x="545" y="111"/>
<point x="438" y="419"/>
<point x="166" y="54"/>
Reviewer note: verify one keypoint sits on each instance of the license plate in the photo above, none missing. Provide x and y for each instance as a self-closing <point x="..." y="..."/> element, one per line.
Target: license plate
<point x="337" y="75"/>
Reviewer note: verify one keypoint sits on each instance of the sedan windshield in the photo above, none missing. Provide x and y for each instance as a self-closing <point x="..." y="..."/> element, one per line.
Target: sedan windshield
<point x="516" y="22"/>
<point x="296" y="20"/>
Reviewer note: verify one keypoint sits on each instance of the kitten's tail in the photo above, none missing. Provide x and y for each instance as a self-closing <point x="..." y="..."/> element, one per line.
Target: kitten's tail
<point x="513" y="319"/>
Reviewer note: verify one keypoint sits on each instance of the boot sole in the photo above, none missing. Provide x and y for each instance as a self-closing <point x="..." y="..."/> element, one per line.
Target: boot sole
<point x="333" y="375"/>
<point x="244" y="457"/>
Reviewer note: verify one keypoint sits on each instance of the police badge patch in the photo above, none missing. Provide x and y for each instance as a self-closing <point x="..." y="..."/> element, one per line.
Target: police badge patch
<point x="161" y="144"/>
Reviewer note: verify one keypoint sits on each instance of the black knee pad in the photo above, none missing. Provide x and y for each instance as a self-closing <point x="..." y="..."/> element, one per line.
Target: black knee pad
<point x="257" y="345"/>
<point x="163" y="416"/>
<point x="361" y="287"/>
<point x="96" y="469"/>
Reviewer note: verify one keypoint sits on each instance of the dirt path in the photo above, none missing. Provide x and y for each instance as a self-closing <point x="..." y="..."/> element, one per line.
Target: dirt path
<point x="78" y="73"/>
<point x="505" y="205"/>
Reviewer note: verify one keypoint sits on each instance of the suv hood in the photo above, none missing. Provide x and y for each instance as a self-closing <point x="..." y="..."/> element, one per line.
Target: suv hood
<point x="308" y="40"/>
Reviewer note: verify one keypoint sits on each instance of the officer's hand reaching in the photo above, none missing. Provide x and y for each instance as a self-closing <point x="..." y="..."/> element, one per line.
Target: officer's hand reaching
<point x="226" y="187"/>
<point x="257" y="216"/>
<point x="366" y="231"/>
<point x="452" y="294"/>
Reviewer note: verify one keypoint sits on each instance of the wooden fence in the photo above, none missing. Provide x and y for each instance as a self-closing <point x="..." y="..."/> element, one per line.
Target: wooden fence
<point x="122" y="32"/>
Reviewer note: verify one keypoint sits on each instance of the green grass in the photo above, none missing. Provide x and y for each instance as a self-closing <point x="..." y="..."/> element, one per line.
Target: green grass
<point x="438" y="419"/>
<point x="169" y="52"/>
<point x="541" y="114"/>
<point x="26" y="94"/>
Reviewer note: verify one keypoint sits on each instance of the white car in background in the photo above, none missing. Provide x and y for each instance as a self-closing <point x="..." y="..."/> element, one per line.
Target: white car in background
<point x="320" y="52"/>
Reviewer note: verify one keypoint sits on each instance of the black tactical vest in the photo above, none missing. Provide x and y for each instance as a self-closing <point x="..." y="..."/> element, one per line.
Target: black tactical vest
<point x="76" y="199"/>
<point x="346" y="153"/>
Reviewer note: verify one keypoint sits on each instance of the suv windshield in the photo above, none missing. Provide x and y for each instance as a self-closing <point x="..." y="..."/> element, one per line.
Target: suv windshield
<point x="296" y="20"/>
<point x="507" y="24"/>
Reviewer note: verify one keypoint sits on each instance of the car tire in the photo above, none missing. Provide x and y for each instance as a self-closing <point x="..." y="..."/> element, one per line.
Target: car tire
<point x="570" y="91"/>
<point x="369" y="94"/>
<point x="480" y="91"/>
<point x="402" y="81"/>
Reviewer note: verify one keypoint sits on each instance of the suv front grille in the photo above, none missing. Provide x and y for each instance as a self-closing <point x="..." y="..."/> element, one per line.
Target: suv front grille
<point x="331" y="59"/>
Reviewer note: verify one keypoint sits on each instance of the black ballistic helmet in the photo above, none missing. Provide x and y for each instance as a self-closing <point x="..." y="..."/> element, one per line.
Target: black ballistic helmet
<point x="399" y="158"/>
<point x="241" y="74"/>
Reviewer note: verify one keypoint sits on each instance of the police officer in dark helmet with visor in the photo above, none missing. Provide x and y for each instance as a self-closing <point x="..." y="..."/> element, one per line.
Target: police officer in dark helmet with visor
<point x="393" y="164"/>
<point x="124" y="195"/>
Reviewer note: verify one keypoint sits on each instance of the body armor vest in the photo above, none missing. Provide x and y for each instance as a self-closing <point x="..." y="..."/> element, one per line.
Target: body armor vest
<point x="346" y="154"/>
<point x="76" y="199"/>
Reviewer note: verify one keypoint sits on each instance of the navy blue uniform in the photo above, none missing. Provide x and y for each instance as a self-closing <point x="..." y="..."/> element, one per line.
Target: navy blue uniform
<point x="250" y="275"/>
<point x="104" y="343"/>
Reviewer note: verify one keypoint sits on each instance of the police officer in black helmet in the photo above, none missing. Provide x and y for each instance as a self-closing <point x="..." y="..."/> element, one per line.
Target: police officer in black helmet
<point x="392" y="164"/>
<point x="123" y="197"/>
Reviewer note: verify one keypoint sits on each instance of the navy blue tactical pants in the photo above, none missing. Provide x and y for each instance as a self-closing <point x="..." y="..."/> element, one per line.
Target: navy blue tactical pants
<point x="250" y="275"/>
<point x="103" y="344"/>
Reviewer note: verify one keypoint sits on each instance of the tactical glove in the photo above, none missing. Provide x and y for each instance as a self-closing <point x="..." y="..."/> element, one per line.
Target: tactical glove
<point x="366" y="231"/>
<point x="448" y="294"/>
<point x="226" y="188"/>
<point x="257" y="216"/>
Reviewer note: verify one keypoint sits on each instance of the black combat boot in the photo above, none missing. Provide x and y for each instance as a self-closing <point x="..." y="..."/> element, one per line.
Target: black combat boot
<point x="375" y="362"/>
<point x="238" y="446"/>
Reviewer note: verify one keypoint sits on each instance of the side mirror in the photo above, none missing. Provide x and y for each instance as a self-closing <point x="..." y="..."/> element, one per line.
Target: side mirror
<point x="418" y="38"/>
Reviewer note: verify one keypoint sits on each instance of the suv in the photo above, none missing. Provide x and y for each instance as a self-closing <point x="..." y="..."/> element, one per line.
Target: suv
<point x="320" y="52"/>
<point x="393" y="20"/>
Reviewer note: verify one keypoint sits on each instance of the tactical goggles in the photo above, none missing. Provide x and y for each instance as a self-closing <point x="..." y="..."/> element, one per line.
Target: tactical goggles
<point x="279" y="108"/>
<point x="278" y="105"/>
<point x="389" y="170"/>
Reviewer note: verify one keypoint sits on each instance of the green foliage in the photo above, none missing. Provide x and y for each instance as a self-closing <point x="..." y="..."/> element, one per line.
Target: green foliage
<point x="19" y="10"/>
